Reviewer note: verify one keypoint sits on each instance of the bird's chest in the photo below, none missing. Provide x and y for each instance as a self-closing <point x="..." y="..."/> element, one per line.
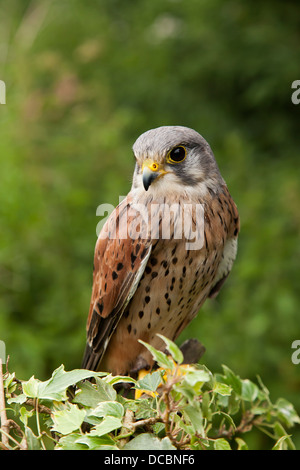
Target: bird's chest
<point x="174" y="285"/>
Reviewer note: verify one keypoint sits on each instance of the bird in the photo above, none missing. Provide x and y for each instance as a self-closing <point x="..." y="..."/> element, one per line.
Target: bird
<point x="151" y="279"/>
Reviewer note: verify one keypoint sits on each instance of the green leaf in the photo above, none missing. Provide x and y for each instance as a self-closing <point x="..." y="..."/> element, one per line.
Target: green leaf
<point x="194" y="415"/>
<point x="116" y="379"/>
<point x="97" y="443"/>
<point x="227" y="417"/>
<point x="159" y="357"/>
<point x="109" y="424"/>
<point x="55" y="388"/>
<point x="33" y="442"/>
<point x="241" y="444"/>
<point x="70" y="442"/>
<point x="196" y="377"/>
<point x="142" y="408"/>
<point x="150" y="382"/>
<point x="286" y="412"/>
<point x="249" y="390"/>
<point x="222" y="389"/>
<point x="91" y="394"/>
<point x="233" y="380"/>
<point x="280" y="444"/>
<point x="149" y="442"/>
<point x="68" y="420"/>
<point x="173" y="349"/>
<point x="25" y="414"/>
<point x="280" y="433"/>
<point x="221" y="444"/>
<point x="20" y="399"/>
<point x="108" y="408"/>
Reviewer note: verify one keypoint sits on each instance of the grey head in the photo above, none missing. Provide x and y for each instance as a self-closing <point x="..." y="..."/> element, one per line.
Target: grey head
<point x="173" y="158"/>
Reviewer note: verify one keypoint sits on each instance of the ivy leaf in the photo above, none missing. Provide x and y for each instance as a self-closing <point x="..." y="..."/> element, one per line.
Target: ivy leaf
<point x="109" y="424"/>
<point x="68" y="420"/>
<point x="222" y="389"/>
<point x="280" y="444"/>
<point x="108" y="408"/>
<point x="249" y="390"/>
<point x="233" y="380"/>
<point x="150" y="382"/>
<point x="56" y="387"/>
<point x="173" y="349"/>
<point x="159" y="357"/>
<point x="97" y="443"/>
<point x="91" y="394"/>
<point x="221" y="444"/>
<point x="149" y="442"/>
<point x="286" y="412"/>
<point x="241" y="444"/>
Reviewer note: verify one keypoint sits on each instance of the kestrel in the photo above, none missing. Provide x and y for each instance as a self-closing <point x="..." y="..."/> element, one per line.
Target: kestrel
<point x="153" y="277"/>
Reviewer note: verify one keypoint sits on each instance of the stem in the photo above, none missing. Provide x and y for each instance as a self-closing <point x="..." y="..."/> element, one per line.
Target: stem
<point x="38" y="423"/>
<point x="3" y="416"/>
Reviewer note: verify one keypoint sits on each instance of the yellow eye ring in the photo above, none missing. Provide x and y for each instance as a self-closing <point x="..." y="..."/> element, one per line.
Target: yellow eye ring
<point x="177" y="154"/>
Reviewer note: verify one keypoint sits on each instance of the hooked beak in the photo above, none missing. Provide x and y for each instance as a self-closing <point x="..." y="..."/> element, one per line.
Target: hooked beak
<point x="151" y="170"/>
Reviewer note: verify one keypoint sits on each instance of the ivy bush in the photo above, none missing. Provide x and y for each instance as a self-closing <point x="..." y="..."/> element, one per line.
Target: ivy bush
<point x="177" y="406"/>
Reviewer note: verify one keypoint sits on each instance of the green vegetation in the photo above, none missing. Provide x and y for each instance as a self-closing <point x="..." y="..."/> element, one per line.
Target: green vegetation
<point x="179" y="407"/>
<point x="82" y="82"/>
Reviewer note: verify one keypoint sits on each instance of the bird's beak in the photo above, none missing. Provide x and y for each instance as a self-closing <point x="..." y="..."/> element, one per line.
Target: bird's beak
<point x="151" y="170"/>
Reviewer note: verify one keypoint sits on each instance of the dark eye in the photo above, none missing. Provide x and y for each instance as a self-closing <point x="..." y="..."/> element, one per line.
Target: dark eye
<point x="177" y="155"/>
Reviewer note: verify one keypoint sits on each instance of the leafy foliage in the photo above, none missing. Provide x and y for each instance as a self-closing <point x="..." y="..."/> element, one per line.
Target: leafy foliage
<point x="178" y="406"/>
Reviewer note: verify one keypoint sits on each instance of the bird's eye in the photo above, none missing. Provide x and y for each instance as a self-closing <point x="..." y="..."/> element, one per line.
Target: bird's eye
<point x="177" y="154"/>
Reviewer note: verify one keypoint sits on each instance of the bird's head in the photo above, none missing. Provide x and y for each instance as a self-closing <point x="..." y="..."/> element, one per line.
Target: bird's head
<point x="174" y="159"/>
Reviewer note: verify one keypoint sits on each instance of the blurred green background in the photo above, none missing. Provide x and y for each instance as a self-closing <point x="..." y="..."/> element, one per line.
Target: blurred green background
<point x="83" y="80"/>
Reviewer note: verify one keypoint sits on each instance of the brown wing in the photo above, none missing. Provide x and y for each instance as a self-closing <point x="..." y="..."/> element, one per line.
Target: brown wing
<point x="119" y="264"/>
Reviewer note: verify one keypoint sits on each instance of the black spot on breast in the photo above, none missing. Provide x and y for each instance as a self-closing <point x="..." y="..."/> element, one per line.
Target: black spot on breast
<point x="120" y="266"/>
<point x="153" y="261"/>
<point x="148" y="269"/>
<point x="154" y="274"/>
<point x="133" y="258"/>
<point x="114" y="275"/>
<point x="147" y="299"/>
<point x="158" y="310"/>
<point x="174" y="260"/>
<point x="141" y="314"/>
<point x="129" y="328"/>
